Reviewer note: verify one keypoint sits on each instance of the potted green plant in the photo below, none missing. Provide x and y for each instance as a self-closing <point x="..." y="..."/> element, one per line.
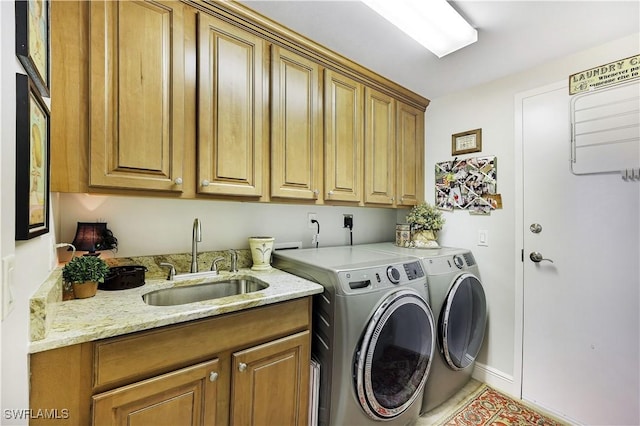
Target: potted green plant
<point x="84" y="273"/>
<point x="425" y="221"/>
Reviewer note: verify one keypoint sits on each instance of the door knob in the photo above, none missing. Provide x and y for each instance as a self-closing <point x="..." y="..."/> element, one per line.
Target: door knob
<point x="537" y="257"/>
<point x="536" y="228"/>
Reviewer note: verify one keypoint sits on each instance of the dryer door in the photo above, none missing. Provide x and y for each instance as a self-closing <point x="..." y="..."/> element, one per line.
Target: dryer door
<point x="462" y="321"/>
<point x="394" y="356"/>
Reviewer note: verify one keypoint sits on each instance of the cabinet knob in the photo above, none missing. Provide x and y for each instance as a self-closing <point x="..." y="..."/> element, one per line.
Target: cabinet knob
<point x="242" y="366"/>
<point x="178" y="181"/>
<point x="393" y="199"/>
<point x="205" y="182"/>
<point x="330" y="193"/>
<point x="213" y="376"/>
<point x="316" y="192"/>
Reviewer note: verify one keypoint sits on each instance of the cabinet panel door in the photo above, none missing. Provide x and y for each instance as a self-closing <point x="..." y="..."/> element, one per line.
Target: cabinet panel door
<point x="270" y="383"/>
<point x="137" y="95"/>
<point x="183" y="397"/>
<point x="343" y="138"/>
<point x="410" y="156"/>
<point x="296" y="126"/>
<point x="231" y="109"/>
<point x="379" y="148"/>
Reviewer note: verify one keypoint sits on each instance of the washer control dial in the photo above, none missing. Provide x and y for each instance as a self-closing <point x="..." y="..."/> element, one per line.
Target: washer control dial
<point x="458" y="261"/>
<point x="393" y="274"/>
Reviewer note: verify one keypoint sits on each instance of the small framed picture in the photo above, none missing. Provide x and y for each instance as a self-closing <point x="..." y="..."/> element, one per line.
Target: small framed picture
<point x="466" y="142"/>
<point x="32" y="161"/>
<point x="32" y="41"/>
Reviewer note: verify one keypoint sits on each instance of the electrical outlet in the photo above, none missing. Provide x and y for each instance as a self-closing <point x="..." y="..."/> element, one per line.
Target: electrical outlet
<point x="348" y="221"/>
<point x="310" y="217"/>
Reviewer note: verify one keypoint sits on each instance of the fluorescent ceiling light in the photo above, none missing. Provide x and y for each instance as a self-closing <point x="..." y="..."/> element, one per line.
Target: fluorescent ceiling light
<point x="432" y="23"/>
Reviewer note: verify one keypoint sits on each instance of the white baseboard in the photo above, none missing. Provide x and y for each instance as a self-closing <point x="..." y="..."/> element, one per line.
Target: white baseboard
<point x="496" y="379"/>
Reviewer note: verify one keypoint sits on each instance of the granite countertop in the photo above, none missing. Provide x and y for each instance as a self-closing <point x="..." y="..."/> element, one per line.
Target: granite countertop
<point x="57" y="323"/>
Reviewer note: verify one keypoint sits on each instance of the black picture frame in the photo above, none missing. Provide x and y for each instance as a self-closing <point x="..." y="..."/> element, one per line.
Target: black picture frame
<point x="32" y="160"/>
<point x="32" y="41"/>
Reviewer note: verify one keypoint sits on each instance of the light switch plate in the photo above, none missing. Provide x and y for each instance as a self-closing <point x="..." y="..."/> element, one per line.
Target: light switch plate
<point x="8" y="266"/>
<point x="483" y="238"/>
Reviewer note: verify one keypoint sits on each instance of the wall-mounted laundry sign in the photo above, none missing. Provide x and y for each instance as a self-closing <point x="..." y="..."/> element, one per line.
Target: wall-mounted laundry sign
<point x="605" y="75"/>
<point x="468" y="184"/>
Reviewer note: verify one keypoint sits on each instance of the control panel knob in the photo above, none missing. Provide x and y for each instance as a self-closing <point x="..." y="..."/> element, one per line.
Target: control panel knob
<point x="393" y="274"/>
<point x="458" y="261"/>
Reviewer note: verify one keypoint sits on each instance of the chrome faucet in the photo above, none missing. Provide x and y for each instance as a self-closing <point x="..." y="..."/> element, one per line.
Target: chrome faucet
<point x="195" y="239"/>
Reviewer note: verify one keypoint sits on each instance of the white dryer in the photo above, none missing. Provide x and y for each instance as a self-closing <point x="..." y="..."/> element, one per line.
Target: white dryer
<point x="373" y="333"/>
<point x="459" y="307"/>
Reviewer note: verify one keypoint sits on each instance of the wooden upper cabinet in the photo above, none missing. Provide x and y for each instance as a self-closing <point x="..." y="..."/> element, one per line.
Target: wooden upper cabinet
<point x="231" y="109"/>
<point x="136" y="94"/>
<point x="379" y="148"/>
<point x="296" y="126"/>
<point x="343" y="114"/>
<point x="410" y="155"/>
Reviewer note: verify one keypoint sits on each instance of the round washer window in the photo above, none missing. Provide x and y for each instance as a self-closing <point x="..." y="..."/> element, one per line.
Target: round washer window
<point x="462" y="322"/>
<point x="394" y="357"/>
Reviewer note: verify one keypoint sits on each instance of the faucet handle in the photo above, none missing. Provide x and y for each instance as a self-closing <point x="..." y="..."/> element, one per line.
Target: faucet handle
<point x="172" y="270"/>
<point x="214" y="264"/>
<point x="233" y="266"/>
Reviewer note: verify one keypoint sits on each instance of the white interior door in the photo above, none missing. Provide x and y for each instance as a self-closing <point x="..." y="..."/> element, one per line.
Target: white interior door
<point x="580" y="316"/>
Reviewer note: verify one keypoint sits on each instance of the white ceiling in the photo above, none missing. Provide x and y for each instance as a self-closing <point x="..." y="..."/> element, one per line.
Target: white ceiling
<point x="512" y="36"/>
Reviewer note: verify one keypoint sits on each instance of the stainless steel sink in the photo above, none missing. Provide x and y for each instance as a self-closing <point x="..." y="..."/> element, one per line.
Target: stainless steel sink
<point x="199" y="292"/>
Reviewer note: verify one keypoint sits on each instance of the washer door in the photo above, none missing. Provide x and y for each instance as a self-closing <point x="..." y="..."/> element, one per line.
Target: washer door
<point x="394" y="356"/>
<point x="462" y="322"/>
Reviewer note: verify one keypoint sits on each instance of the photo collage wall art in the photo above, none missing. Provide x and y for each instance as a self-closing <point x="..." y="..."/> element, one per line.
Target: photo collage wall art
<point x="468" y="184"/>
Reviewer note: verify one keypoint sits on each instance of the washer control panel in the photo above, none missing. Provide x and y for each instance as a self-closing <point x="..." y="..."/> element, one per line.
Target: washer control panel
<point x="373" y="278"/>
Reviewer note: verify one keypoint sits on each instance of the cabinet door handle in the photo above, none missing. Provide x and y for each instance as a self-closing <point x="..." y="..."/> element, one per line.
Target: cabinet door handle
<point x="178" y="181"/>
<point x="315" y="193"/>
<point x="205" y="182"/>
<point x="213" y="376"/>
<point x="242" y="366"/>
<point x="330" y="193"/>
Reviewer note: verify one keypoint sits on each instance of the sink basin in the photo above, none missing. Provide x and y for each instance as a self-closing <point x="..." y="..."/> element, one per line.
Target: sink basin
<point x="199" y="292"/>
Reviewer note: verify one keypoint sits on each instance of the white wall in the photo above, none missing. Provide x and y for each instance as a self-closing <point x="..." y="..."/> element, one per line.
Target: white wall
<point x="33" y="257"/>
<point x="147" y="226"/>
<point x="491" y="107"/>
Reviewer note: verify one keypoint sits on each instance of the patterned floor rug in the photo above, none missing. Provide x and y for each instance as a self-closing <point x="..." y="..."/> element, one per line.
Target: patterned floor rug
<point x="491" y="408"/>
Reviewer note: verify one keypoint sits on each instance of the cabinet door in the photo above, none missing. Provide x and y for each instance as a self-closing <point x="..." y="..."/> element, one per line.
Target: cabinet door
<point x="270" y="383"/>
<point x="410" y="156"/>
<point x="296" y="126"/>
<point x="379" y="148"/>
<point x="231" y="109"/>
<point x="137" y="95"/>
<point x="343" y="138"/>
<point x="183" y="397"/>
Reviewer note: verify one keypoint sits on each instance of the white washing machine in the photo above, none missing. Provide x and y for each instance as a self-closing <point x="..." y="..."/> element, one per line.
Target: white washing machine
<point x="460" y="309"/>
<point x="373" y="333"/>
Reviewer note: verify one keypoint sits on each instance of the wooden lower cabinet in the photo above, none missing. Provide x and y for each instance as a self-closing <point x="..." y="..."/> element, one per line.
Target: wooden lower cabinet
<point x="270" y="383"/>
<point x="184" y="397"/>
<point x="243" y="368"/>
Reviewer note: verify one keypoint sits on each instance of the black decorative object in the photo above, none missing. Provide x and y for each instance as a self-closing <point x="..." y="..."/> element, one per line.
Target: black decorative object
<point x="93" y="237"/>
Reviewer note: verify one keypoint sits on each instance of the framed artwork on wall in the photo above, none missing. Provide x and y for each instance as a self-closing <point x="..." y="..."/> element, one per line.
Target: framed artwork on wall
<point x="32" y="161"/>
<point x="466" y="142"/>
<point x="32" y="41"/>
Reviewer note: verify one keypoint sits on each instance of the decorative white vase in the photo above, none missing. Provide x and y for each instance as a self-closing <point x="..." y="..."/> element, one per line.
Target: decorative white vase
<point x="261" y="249"/>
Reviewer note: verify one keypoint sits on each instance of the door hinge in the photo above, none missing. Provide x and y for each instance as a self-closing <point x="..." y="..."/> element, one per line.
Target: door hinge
<point x="522" y="255"/>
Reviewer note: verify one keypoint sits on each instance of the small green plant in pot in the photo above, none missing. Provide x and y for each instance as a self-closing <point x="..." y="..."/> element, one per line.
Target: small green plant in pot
<point x="84" y="273"/>
<point x="425" y="221"/>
